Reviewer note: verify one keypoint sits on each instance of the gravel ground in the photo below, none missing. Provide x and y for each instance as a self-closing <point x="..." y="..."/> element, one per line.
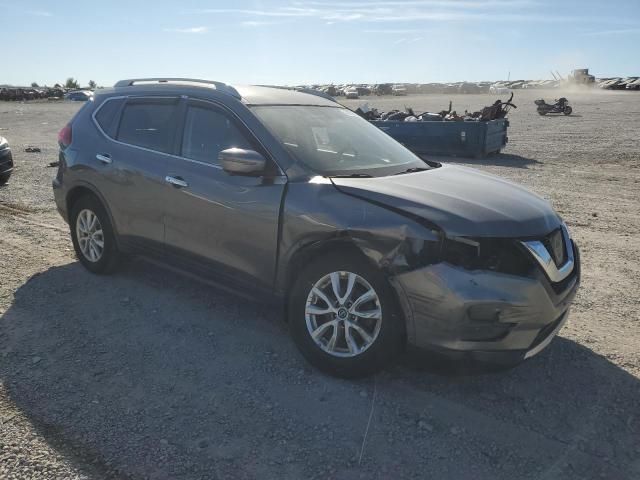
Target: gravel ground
<point x="148" y="374"/>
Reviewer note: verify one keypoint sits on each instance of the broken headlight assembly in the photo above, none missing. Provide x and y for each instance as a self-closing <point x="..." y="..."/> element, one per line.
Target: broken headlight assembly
<point x="502" y="255"/>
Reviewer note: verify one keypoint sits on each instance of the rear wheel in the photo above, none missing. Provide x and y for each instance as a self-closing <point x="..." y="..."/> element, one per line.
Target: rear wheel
<point x="92" y="235"/>
<point x="343" y="317"/>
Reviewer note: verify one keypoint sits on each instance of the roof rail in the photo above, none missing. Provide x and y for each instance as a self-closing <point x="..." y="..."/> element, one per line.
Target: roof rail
<point x="223" y="87"/>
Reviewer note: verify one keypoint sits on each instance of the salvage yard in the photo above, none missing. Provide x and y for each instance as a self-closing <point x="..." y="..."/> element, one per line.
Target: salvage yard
<point x="151" y="374"/>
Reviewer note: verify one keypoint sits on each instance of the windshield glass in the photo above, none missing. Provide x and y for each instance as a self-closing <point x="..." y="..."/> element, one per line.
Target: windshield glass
<point x="336" y="141"/>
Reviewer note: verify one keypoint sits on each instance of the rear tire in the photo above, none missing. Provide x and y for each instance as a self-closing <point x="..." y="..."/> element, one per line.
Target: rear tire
<point x="92" y="235"/>
<point x="4" y="178"/>
<point x="355" y="335"/>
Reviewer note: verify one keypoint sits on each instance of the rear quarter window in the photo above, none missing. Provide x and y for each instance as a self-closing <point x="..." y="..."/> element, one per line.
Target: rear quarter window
<point x="149" y="124"/>
<point x="107" y="116"/>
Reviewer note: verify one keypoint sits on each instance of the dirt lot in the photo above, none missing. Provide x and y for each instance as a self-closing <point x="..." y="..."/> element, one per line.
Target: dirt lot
<point x="147" y="374"/>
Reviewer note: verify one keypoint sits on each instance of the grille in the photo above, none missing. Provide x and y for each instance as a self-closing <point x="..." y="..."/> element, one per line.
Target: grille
<point x="554" y="243"/>
<point x="562" y="286"/>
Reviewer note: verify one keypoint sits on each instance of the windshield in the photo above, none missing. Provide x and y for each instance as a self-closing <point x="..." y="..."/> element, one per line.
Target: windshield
<point x="335" y="141"/>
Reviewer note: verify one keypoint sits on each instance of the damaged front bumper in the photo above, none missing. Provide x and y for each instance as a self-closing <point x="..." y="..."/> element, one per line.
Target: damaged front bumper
<point x="484" y="315"/>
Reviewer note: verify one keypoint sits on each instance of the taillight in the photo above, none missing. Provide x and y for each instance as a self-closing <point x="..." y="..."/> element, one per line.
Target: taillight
<point x="65" y="137"/>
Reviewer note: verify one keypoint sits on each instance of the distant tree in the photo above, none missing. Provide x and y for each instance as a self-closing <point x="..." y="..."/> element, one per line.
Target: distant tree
<point x="92" y="85"/>
<point x="71" y="83"/>
<point x="34" y="85"/>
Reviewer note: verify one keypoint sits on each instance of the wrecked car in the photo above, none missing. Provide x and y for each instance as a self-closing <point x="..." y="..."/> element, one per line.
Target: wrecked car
<point x="278" y="194"/>
<point x="6" y="161"/>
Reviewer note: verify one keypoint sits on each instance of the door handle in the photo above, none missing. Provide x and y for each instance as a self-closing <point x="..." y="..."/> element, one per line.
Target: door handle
<point x="176" y="181"/>
<point x="104" y="158"/>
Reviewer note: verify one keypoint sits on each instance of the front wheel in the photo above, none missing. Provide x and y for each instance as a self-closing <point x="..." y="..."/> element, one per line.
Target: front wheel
<point x="568" y="110"/>
<point x="4" y="178"/>
<point x="343" y="317"/>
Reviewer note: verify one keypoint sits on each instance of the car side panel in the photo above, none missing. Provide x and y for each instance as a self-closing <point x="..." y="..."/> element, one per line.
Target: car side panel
<point x="133" y="186"/>
<point x="229" y="221"/>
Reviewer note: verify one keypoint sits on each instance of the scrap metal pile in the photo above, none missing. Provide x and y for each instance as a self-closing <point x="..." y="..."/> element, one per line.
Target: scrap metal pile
<point x="19" y="94"/>
<point x="497" y="110"/>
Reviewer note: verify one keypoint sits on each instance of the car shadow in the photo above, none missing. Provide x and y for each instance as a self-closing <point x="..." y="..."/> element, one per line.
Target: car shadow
<point x="148" y="374"/>
<point x="500" y="160"/>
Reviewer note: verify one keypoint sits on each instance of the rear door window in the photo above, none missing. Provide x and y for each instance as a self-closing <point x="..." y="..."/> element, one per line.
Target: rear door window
<point x="107" y="116"/>
<point x="208" y="131"/>
<point x="149" y="123"/>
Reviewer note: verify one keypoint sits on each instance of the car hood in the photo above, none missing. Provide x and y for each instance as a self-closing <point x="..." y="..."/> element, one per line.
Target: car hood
<point x="461" y="201"/>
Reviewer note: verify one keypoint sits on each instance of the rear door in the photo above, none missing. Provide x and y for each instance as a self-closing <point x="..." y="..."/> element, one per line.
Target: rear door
<point x="225" y="224"/>
<point x="143" y="137"/>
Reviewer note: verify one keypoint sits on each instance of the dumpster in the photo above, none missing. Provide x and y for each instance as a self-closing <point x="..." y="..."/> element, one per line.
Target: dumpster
<point x="465" y="139"/>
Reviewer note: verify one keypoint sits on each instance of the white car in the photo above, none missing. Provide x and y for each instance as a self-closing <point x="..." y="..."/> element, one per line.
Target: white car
<point x="398" y="90"/>
<point x="351" y="92"/>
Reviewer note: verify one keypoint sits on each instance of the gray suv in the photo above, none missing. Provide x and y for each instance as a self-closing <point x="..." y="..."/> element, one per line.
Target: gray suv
<point x="279" y="194"/>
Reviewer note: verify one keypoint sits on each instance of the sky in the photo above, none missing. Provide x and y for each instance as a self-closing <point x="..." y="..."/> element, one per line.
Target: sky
<point x="294" y="42"/>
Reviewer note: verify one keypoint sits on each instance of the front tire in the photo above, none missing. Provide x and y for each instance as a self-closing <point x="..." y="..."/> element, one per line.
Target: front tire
<point x="343" y="317"/>
<point x="568" y="110"/>
<point x="92" y="235"/>
<point x="4" y="178"/>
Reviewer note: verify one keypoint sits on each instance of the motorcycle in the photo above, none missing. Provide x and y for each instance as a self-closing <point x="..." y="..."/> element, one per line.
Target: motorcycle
<point x="561" y="106"/>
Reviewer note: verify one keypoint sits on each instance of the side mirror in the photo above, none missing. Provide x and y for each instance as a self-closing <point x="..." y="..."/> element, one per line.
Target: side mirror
<point x="238" y="161"/>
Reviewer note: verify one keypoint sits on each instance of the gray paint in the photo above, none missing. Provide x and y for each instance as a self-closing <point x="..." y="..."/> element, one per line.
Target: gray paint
<point x="462" y="201"/>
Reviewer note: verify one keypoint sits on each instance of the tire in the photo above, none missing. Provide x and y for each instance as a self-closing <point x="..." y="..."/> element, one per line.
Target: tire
<point x="107" y="259"/>
<point x="4" y="178"/>
<point x="542" y="112"/>
<point x="357" y="358"/>
<point x="567" y="110"/>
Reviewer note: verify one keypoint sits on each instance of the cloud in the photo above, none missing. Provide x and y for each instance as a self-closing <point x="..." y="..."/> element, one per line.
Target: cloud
<point x="406" y="40"/>
<point x="39" y="13"/>
<point x="409" y="11"/>
<point x="187" y="30"/>
<point x="257" y="23"/>
<point x="395" y="31"/>
<point x="282" y="12"/>
<point x="604" y="33"/>
<point x="462" y="4"/>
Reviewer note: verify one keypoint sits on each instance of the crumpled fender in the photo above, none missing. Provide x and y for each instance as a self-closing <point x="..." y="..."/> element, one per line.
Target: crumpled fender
<point x="317" y="215"/>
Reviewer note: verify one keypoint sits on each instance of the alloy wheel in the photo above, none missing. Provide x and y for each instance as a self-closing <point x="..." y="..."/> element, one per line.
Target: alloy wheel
<point x="90" y="235"/>
<point x="343" y="314"/>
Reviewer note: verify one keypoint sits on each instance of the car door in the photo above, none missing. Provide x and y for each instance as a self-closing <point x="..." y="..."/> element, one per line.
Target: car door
<point x="226" y="224"/>
<point x="143" y="136"/>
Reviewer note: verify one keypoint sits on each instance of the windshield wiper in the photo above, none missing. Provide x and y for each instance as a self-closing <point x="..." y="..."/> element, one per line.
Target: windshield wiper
<point x="412" y="170"/>
<point x="352" y="175"/>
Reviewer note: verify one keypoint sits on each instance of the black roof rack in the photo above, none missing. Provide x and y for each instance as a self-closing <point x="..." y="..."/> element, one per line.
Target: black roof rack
<point x="223" y="87"/>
